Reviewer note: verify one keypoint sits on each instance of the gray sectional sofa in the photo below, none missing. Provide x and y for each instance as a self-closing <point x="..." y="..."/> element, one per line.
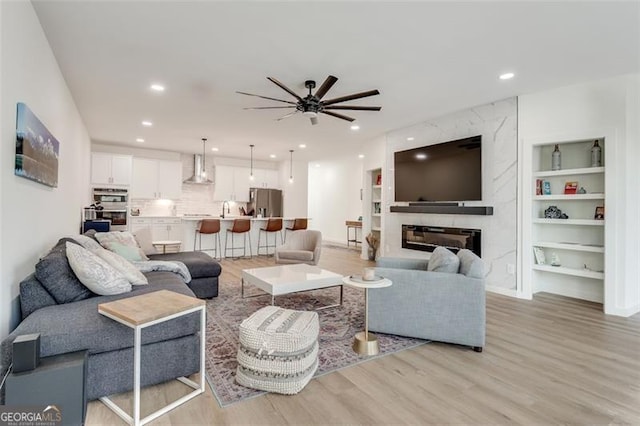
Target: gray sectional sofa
<point x="170" y="349"/>
<point x="439" y="306"/>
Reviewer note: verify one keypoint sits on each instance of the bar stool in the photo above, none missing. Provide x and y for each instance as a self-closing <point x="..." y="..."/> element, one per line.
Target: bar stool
<point x="298" y="224"/>
<point x="273" y="225"/>
<point x="208" y="227"/>
<point x="240" y="226"/>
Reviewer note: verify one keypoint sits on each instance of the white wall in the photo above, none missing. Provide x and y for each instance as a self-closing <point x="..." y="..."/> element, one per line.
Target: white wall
<point x="334" y="196"/>
<point x="35" y="216"/>
<point x="610" y="106"/>
<point x="295" y="194"/>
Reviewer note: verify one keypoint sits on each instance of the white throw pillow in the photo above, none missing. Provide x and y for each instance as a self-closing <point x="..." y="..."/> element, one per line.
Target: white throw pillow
<point x="122" y="243"/>
<point x="87" y="242"/>
<point x="96" y="274"/>
<point x="443" y="260"/>
<point x="143" y="237"/>
<point x="122" y="265"/>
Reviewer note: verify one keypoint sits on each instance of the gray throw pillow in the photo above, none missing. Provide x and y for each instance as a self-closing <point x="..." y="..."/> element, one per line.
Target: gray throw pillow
<point x="57" y="277"/>
<point x="33" y="296"/>
<point x="471" y="265"/>
<point x="443" y="260"/>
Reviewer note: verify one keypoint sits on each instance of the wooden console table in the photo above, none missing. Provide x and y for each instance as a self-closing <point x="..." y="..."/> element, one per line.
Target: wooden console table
<point x="353" y="224"/>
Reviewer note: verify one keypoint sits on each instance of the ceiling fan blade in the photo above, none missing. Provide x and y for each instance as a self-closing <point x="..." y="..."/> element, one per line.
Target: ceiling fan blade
<point x="328" y="84"/>
<point x="314" y="120"/>
<point x="351" y="97"/>
<point x="288" y="115"/>
<point x="266" y="97"/>
<point x="293" y="106"/>
<point x="334" y="114"/>
<point x="353" y="108"/>
<point x="285" y="88"/>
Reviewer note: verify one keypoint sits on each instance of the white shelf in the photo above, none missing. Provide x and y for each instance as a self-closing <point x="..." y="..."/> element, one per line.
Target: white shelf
<point x="376" y="186"/>
<point x="572" y="197"/>
<point x="570" y="271"/>
<point x="376" y="201"/>
<point x="376" y="214"/>
<point x="569" y="172"/>
<point x="570" y="246"/>
<point x="375" y="229"/>
<point x="578" y="222"/>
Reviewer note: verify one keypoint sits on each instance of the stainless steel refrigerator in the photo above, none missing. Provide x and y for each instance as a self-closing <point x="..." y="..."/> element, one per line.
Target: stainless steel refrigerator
<point x="264" y="201"/>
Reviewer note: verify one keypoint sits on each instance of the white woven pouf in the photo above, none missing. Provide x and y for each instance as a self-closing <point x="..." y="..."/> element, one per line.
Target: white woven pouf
<point x="278" y="350"/>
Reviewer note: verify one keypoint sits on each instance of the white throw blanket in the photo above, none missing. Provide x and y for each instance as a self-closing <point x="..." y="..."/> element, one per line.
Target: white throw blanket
<point x="165" y="266"/>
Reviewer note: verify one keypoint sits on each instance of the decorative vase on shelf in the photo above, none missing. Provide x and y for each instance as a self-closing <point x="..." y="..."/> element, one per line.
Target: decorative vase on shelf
<point x="596" y="155"/>
<point x="555" y="159"/>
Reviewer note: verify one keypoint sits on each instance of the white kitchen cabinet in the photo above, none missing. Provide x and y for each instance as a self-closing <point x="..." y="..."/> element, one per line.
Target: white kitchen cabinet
<point x="265" y="178"/>
<point x="110" y="169"/>
<point x="156" y="179"/>
<point x="162" y="228"/>
<point x="232" y="184"/>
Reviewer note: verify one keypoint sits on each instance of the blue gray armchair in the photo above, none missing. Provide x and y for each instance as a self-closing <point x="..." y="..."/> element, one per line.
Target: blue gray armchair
<point x="439" y="306"/>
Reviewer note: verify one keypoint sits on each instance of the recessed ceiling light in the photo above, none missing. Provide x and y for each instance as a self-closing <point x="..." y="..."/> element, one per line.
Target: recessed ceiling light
<point x="410" y="138"/>
<point x="355" y="127"/>
<point x="139" y="140"/>
<point x="157" y="87"/>
<point x="303" y="146"/>
<point x="214" y="149"/>
<point x="272" y="156"/>
<point x="507" y="76"/>
<point x="421" y="156"/>
<point x="147" y="123"/>
<point x="360" y="155"/>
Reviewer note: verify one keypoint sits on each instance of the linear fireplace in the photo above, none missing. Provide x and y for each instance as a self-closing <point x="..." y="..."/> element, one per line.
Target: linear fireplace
<point x="427" y="238"/>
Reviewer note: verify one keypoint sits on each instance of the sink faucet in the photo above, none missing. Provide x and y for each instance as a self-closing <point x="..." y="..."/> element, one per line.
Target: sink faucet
<point x="228" y="211"/>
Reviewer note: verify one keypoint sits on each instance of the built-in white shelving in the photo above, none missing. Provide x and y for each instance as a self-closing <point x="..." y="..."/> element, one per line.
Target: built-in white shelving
<point x="592" y="248"/>
<point x="576" y="243"/>
<point x="584" y="273"/>
<point x="577" y="222"/>
<point x="570" y="197"/>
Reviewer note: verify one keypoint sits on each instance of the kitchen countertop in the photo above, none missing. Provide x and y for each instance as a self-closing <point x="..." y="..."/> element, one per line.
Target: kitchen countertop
<point x="199" y="218"/>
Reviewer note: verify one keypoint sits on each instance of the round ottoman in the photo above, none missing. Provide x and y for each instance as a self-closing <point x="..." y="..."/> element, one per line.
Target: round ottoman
<point x="278" y="350"/>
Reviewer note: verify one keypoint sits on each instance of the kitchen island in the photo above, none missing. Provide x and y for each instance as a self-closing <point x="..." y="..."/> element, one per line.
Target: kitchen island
<point x="189" y="224"/>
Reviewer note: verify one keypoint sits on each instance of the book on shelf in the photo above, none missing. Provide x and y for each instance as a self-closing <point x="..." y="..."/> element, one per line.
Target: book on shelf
<point x="538" y="186"/>
<point x="546" y="187"/>
<point x="570" y="188"/>
<point x="539" y="254"/>
<point x="379" y="180"/>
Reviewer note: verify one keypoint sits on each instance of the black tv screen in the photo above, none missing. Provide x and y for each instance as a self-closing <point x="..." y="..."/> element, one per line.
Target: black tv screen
<point x="450" y="171"/>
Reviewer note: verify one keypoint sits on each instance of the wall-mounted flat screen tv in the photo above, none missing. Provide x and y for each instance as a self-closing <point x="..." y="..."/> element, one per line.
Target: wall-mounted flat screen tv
<point x="450" y="171"/>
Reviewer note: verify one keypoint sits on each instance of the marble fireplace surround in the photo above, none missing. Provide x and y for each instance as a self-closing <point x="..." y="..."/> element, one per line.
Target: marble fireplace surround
<point x="497" y="123"/>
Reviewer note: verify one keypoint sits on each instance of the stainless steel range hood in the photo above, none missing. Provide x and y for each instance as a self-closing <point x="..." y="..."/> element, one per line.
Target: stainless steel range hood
<point x="199" y="174"/>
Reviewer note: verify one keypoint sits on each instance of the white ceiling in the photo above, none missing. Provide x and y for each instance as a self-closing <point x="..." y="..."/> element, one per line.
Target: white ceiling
<point x="426" y="58"/>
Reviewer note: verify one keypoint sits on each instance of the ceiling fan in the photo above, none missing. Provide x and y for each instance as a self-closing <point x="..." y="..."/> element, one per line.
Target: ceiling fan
<point x="312" y="104"/>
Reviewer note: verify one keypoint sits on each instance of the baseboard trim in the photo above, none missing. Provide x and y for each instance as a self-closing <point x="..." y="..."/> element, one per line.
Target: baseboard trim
<point x="625" y="312"/>
<point x="501" y="290"/>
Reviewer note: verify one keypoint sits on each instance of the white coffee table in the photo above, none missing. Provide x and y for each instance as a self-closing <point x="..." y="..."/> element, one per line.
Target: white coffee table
<point x="366" y="343"/>
<point x="286" y="279"/>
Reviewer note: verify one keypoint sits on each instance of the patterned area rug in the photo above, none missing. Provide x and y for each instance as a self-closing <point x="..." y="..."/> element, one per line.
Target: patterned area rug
<point x="337" y="327"/>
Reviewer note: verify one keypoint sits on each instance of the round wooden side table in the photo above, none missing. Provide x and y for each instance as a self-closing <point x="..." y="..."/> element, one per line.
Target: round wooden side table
<point x="366" y="343"/>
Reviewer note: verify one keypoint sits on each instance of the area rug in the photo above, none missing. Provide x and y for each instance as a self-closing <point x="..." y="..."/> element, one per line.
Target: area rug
<point x="337" y="327"/>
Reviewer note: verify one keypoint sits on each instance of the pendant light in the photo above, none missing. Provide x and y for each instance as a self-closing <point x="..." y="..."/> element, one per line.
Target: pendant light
<point x="290" y="166"/>
<point x="251" y="175"/>
<point x="204" y="169"/>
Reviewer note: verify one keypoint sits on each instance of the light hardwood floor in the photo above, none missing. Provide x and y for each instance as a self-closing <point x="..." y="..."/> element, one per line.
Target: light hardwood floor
<point x="547" y="361"/>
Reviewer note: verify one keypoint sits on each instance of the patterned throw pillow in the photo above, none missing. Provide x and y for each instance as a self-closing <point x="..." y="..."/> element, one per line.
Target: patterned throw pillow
<point x="96" y="274"/>
<point x="443" y="260"/>
<point x="87" y="242"/>
<point x="126" y="268"/>
<point x="122" y="243"/>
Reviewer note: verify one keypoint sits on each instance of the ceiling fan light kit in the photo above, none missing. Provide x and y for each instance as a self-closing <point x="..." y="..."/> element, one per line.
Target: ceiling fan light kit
<point x="312" y="104"/>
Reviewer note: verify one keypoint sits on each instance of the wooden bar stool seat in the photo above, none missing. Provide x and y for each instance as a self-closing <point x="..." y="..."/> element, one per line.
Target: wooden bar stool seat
<point x="298" y="224"/>
<point x="240" y="226"/>
<point x="208" y="227"/>
<point x="273" y="225"/>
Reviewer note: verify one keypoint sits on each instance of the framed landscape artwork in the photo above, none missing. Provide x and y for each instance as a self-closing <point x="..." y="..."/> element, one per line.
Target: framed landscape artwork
<point x="36" y="149"/>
